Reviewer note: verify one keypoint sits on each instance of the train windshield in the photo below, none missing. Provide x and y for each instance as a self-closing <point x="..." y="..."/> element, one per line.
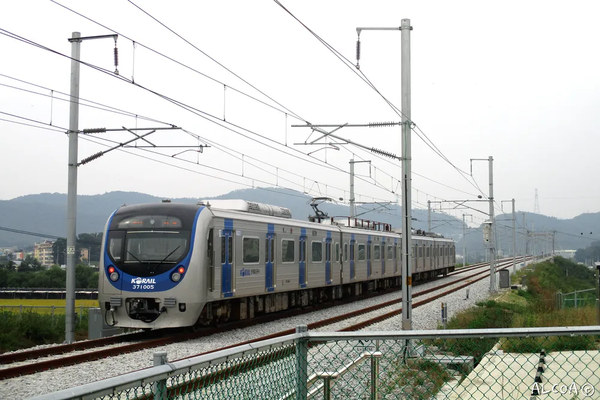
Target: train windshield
<point x="152" y="247"/>
<point x="148" y="252"/>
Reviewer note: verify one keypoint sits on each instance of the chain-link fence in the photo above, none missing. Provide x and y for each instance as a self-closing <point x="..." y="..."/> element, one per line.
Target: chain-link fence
<point x="577" y="299"/>
<point x="450" y="364"/>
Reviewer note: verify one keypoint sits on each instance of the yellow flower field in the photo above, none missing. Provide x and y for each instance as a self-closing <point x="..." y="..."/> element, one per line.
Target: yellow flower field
<point x="43" y="306"/>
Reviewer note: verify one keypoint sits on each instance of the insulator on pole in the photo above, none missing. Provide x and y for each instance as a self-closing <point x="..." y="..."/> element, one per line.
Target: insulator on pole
<point x="91" y="158"/>
<point x="116" y="59"/>
<point x="381" y="124"/>
<point x="94" y="130"/>
<point x="384" y="153"/>
<point x="358" y="54"/>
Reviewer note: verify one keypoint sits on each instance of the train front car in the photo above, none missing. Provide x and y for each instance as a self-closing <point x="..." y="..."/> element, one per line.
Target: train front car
<point x="151" y="268"/>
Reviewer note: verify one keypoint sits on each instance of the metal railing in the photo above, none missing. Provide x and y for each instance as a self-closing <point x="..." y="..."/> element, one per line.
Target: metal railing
<point x="466" y="364"/>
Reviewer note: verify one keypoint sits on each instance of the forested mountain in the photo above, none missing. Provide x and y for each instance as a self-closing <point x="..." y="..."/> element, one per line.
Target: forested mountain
<point x="46" y="213"/>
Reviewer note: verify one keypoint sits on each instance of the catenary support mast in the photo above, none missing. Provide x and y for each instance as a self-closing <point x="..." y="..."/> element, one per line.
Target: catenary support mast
<point x="72" y="188"/>
<point x="406" y="179"/>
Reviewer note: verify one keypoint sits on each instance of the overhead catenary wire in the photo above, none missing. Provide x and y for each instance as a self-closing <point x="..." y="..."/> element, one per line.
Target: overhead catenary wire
<point x="198" y="112"/>
<point x="204" y="53"/>
<point x="361" y="75"/>
<point x="172" y="100"/>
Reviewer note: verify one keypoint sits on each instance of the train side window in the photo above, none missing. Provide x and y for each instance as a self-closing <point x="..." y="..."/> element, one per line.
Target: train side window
<point x="209" y="247"/>
<point x="377" y="252"/>
<point x="337" y="252"/>
<point x="269" y="254"/>
<point x="427" y="251"/>
<point x="222" y="249"/>
<point x="303" y="250"/>
<point x="420" y="251"/>
<point x="361" y="252"/>
<point x="390" y="253"/>
<point x="352" y="251"/>
<point x="115" y="246"/>
<point x="251" y="246"/>
<point x="230" y="252"/>
<point x="287" y="250"/>
<point x="345" y="251"/>
<point x="317" y="252"/>
<point x="328" y="251"/>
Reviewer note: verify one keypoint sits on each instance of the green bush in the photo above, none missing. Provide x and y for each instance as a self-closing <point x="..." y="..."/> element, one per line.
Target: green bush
<point x="19" y="331"/>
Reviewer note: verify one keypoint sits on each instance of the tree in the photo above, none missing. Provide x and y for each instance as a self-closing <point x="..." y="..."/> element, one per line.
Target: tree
<point x="30" y="264"/>
<point x="92" y="242"/>
<point x="59" y="249"/>
<point x="86" y="277"/>
<point x="4" y="273"/>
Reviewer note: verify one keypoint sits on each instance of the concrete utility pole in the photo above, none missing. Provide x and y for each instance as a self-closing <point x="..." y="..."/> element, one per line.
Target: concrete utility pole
<point x="72" y="188"/>
<point x="524" y="238"/>
<point x="514" y="229"/>
<point x="352" y="199"/>
<point x="76" y="40"/>
<point x="428" y="215"/>
<point x="406" y="179"/>
<point x="406" y="123"/>
<point x="514" y="221"/>
<point x="492" y="237"/>
<point x="352" y="196"/>
<point x="464" y="240"/>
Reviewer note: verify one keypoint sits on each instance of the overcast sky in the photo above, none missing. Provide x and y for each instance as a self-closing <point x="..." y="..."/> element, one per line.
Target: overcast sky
<point x="516" y="80"/>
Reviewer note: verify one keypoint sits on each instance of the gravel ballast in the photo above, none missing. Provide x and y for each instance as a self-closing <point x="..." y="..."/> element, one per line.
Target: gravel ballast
<point x="424" y="317"/>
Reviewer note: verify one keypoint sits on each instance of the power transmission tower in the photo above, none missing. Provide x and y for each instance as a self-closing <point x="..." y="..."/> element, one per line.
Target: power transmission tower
<point x="536" y="204"/>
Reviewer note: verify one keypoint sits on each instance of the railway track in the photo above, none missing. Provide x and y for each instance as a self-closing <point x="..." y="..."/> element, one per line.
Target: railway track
<point x="145" y="340"/>
<point x="212" y="378"/>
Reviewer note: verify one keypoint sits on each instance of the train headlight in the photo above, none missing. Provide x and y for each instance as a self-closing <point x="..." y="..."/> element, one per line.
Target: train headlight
<point x="175" y="276"/>
<point x="114" y="276"/>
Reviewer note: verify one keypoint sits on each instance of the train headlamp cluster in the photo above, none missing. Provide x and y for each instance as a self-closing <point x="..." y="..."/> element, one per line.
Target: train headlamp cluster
<point x="176" y="276"/>
<point x="113" y="274"/>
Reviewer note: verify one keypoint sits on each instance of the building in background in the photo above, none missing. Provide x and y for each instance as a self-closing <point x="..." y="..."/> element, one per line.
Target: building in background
<point x="565" y="253"/>
<point x="43" y="252"/>
<point x="85" y="255"/>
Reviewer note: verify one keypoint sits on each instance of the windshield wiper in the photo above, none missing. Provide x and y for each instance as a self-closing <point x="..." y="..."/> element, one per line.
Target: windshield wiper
<point x="165" y="259"/>
<point x="137" y="259"/>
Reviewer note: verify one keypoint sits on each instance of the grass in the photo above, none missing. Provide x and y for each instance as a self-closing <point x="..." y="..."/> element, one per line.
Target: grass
<point x="43" y="306"/>
<point x="534" y="307"/>
<point x="19" y="331"/>
<point x="421" y="379"/>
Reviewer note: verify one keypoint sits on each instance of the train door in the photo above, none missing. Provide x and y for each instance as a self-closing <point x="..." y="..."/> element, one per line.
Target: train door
<point x="369" y="256"/>
<point x="418" y="256"/>
<point x="227" y="259"/>
<point x="383" y="256"/>
<point x="351" y="252"/>
<point x="338" y="258"/>
<point x="302" y="264"/>
<point x="270" y="259"/>
<point x="397" y="256"/>
<point x="328" y="259"/>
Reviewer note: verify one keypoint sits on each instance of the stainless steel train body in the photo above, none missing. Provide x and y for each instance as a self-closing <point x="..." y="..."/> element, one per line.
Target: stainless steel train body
<point x="171" y="265"/>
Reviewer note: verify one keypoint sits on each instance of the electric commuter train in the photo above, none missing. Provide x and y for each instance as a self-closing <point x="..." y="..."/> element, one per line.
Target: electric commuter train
<point x="170" y="265"/>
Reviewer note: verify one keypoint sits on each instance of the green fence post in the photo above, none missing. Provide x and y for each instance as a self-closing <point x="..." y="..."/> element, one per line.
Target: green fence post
<point x="301" y="364"/>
